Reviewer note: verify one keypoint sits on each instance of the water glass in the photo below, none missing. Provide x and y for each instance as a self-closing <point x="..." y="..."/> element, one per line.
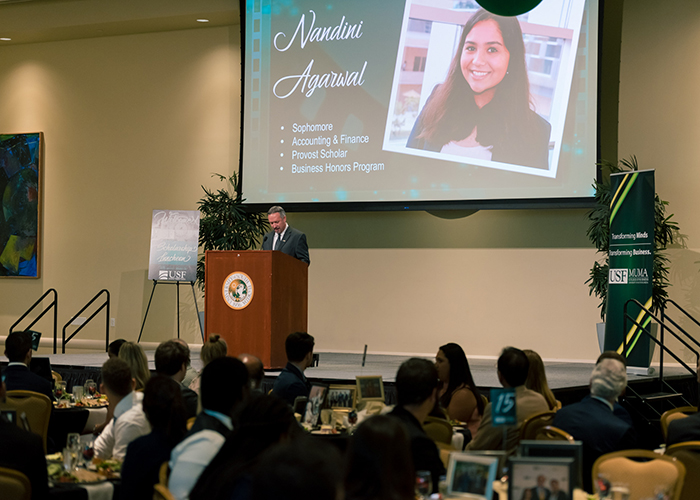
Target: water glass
<point x="424" y="483"/>
<point x="619" y="491"/>
<point x="78" y="393"/>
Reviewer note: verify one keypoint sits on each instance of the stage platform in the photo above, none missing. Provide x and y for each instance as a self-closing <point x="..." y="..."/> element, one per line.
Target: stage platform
<point x="342" y="368"/>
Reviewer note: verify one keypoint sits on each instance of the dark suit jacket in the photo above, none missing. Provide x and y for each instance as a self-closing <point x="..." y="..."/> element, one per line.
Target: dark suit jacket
<point x="23" y="451"/>
<point x="208" y="422"/>
<point x="424" y="450"/>
<point x="144" y="457"/>
<point x="684" y="429"/>
<point x="535" y="496"/>
<point x="593" y="422"/>
<point x="19" y="378"/>
<point x="191" y="400"/>
<point x="294" y="244"/>
<point x="291" y="383"/>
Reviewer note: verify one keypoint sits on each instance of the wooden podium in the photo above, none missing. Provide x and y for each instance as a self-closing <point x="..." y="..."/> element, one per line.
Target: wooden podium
<point x="259" y="324"/>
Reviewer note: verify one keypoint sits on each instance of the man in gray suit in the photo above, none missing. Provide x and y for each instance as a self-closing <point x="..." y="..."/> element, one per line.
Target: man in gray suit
<point x="284" y="237"/>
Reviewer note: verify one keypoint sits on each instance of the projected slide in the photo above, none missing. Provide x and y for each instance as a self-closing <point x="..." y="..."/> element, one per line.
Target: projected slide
<point x="417" y="100"/>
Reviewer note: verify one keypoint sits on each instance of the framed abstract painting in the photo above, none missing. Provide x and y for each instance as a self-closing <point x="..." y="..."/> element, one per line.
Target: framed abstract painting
<point x="21" y="170"/>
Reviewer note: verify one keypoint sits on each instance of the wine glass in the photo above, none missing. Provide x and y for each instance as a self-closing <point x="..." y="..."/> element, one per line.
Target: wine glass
<point x="424" y="483"/>
<point x="71" y="451"/>
<point x="90" y="388"/>
<point x="59" y="390"/>
<point x="602" y="486"/>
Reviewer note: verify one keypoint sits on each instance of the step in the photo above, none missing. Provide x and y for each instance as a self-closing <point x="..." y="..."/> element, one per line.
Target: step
<point x="656" y="396"/>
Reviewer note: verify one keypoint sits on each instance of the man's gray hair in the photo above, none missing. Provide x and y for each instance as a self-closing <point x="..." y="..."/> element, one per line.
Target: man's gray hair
<point x="276" y="210"/>
<point x="608" y="379"/>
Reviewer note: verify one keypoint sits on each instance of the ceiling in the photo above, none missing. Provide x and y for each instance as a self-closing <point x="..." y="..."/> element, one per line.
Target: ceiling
<point x="32" y="21"/>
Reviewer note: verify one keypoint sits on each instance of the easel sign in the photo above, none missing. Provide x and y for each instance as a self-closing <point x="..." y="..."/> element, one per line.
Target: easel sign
<point x="174" y="243"/>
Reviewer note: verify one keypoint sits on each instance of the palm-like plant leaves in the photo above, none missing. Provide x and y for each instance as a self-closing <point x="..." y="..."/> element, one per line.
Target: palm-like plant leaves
<point x="224" y="224"/>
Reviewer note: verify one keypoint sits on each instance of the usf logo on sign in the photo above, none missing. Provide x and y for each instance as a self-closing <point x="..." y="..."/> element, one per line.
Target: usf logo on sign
<point x="618" y="276"/>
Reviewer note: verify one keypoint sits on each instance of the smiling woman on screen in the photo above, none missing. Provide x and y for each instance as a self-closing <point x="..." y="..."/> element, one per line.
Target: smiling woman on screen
<point x="483" y="108"/>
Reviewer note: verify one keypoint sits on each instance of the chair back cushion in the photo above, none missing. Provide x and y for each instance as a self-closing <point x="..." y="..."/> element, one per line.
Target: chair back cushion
<point x="642" y="478"/>
<point x="36" y="406"/>
<point x="14" y="485"/>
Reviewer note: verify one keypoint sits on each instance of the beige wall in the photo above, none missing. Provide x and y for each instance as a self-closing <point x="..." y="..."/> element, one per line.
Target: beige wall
<point x="138" y="122"/>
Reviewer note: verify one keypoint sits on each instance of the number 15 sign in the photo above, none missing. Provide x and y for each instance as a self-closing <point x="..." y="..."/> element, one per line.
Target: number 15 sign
<point x="503" y="406"/>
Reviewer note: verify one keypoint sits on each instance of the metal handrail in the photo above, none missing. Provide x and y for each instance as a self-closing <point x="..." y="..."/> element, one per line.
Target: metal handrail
<point x="105" y="304"/>
<point x="54" y="304"/>
<point x="659" y="343"/>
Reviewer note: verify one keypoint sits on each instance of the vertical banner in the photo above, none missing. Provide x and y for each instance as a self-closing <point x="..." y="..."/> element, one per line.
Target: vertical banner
<point x="174" y="243"/>
<point x="631" y="264"/>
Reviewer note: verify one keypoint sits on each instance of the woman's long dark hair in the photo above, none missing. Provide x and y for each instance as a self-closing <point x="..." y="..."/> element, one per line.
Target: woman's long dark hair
<point x="165" y="408"/>
<point x="261" y="424"/>
<point x="459" y="374"/>
<point x="378" y="462"/>
<point x="451" y="113"/>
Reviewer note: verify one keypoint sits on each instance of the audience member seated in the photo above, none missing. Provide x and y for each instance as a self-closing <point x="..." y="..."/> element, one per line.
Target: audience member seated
<point x="592" y="420"/>
<point x="304" y="469"/>
<point x="513" y="367"/>
<point x="291" y="382"/>
<point x="23" y="451"/>
<point x="256" y="371"/>
<point x="458" y="394"/>
<point x="215" y="347"/>
<point x="685" y="429"/>
<point x="378" y="462"/>
<point x="165" y="411"/>
<point x="190" y="373"/>
<point x="537" y="379"/>
<point x="172" y="359"/>
<point x="618" y="410"/>
<point x="18" y="349"/>
<point x="416" y="392"/>
<point x="113" y="348"/>
<point x="223" y="387"/>
<point x="264" y="422"/>
<point x="129" y="421"/>
<point x="135" y="357"/>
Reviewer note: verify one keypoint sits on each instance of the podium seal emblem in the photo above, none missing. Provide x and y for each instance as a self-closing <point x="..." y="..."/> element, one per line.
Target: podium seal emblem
<point x="237" y="290"/>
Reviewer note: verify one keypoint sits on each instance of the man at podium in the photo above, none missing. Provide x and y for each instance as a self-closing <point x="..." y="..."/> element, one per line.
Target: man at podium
<point x="284" y="237"/>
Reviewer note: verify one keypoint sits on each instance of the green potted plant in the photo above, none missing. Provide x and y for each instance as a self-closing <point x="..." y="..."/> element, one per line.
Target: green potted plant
<point x="665" y="233"/>
<point x="224" y="223"/>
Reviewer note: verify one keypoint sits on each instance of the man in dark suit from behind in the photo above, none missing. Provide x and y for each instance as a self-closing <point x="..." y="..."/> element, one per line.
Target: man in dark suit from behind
<point x="18" y="349"/>
<point x="592" y="420"/>
<point x="172" y="359"/>
<point x="24" y="452"/>
<point x="291" y="382"/>
<point x="416" y="392"/>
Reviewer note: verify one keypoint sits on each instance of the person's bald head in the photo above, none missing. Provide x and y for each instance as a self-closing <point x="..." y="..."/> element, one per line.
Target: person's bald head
<point x="255" y="369"/>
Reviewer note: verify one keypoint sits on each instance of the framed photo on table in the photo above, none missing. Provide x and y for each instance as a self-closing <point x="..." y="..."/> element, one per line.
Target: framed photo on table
<point x="471" y="476"/>
<point x="317" y="396"/>
<point x="342" y="396"/>
<point x="370" y="388"/>
<point x="530" y="475"/>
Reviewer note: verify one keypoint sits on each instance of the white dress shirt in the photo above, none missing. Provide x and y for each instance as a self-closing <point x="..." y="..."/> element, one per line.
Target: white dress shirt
<point x="129" y="422"/>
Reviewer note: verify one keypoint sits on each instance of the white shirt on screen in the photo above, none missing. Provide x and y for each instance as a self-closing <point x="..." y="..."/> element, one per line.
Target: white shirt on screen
<point x="478" y="152"/>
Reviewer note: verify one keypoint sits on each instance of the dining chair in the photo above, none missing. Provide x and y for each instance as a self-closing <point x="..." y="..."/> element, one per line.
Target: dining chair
<point x="644" y="472"/>
<point x="688" y="453"/>
<point x="673" y="414"/>
<point x="161" y="492"/>
<point x="551" y="433"/>
<point x="164" y="473"/>
<point x="56" y="376"/>
<point x="14" y="485"/>
<point x="531" y="425"/>
<point x="438" y="429"/>
<point x="37" y="408"/>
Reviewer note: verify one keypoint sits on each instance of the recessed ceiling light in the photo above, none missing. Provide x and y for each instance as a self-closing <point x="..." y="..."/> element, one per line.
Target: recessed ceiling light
<point x="5" y="39"/>
<point x="202" y="20"/>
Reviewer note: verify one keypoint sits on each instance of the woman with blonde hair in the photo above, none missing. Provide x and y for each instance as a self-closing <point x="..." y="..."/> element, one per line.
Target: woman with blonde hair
<point x="537" y="380"/>
<point x="135" y="357"/>
<point x="215" y="347"/>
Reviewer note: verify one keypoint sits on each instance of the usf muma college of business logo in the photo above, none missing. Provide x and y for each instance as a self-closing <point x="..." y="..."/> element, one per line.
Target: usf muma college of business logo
<point x="238" y="290"/>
